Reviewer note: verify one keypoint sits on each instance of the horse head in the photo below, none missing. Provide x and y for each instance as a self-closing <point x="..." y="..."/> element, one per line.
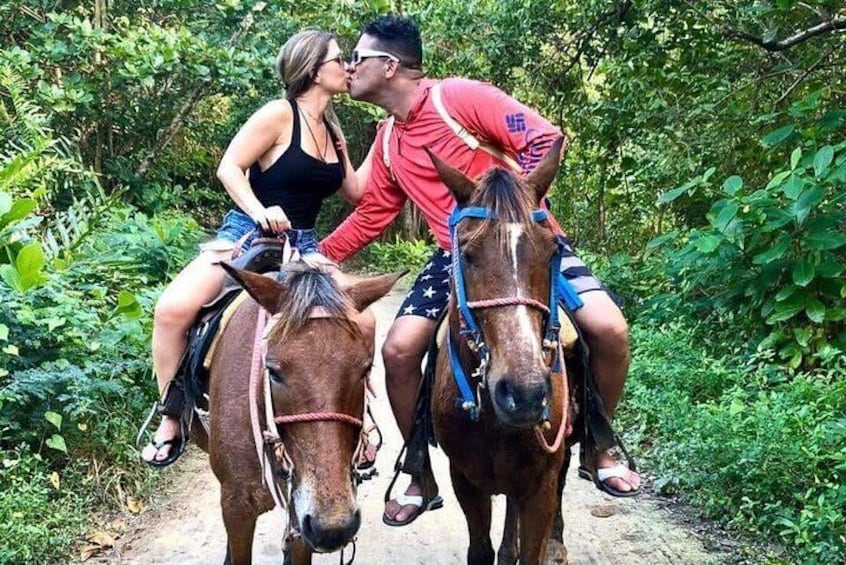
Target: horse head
<point x="503" y="246"/>
<point x="317" y="360"/>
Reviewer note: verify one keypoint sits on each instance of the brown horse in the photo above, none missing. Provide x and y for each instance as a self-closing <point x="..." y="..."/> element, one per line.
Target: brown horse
<point x="498" y="338"/>
<point x="316" y="360"/>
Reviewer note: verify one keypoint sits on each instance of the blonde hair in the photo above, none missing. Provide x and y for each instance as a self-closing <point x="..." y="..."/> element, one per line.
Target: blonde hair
<point x="297" y="64"/>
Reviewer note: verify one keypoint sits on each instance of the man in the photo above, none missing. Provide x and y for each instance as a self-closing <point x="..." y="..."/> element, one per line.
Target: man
<point x="386" y="70"/>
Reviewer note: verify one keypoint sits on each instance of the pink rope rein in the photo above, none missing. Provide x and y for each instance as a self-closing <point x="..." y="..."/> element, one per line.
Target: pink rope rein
<point x="510" y="301"/>
<point x="318" y="417"/>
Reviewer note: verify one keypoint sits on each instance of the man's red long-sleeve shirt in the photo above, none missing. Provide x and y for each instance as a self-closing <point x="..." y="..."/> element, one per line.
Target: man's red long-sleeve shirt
<point x="488" y="113"/>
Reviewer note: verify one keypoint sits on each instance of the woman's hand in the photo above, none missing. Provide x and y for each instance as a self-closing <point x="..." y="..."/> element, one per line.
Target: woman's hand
<point x="273" y="220"/>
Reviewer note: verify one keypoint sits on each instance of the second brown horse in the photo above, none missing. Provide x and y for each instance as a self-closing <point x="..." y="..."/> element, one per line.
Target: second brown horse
<point x="503" y="253"/>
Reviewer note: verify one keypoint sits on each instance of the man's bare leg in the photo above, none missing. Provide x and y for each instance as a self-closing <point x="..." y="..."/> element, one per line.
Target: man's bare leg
<point x="607" y="335"/>
<point x="403" y="353"/>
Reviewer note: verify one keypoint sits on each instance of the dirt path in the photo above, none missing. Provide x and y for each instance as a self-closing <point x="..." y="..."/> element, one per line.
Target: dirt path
<point x="186" y="526"/>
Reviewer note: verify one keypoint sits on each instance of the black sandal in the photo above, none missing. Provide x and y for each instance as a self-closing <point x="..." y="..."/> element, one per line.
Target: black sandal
<point x="171" y="404"/>
<point x="176" y="450"/>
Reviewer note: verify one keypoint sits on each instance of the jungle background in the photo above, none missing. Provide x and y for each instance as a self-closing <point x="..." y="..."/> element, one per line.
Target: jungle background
<point x="705" y="185"/>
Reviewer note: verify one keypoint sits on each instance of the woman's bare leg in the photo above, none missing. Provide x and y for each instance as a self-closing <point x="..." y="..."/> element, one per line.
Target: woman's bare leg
<point x="176" y="310"/>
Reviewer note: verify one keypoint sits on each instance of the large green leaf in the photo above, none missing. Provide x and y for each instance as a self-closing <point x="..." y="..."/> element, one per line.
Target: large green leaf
<point x="777" y="179"/>
<point x="835" y="314"/>
<point x="793" y="187"/>
<point x="660" y="240"/>
<point x="671" y="195"/>
<point x="5" y="204"/>
<point x="776" y="219"/>
<point x="830" y="269"/>
<point x="821" y="241"/>
<point x="815" y="310"/>
<point x="785" y="293"/>
<point x="11" y="277"/>
<point x="787" y="309"/>
<point x="57" y="442"/>
<point x="19" y="210"/>
<point x="708" y="243"/>
<point x="30" y="259"/>
<point x="726" y="215"/>
<point x="803" y="271"/>
<point x="822" y="160"/>
<point x="807" y="201"/>
<point x="54" y="418"/>
<point x="781" y="245"/>
<point x="777" y="136"/>
<point x="795" y="157"/>
<point x="732" y="185"/>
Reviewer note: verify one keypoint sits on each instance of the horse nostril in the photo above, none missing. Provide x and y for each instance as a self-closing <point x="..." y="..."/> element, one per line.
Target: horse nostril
<point x="505" y="395"/>
<point x="308" y="529"/>
<point x="521" y="402"/>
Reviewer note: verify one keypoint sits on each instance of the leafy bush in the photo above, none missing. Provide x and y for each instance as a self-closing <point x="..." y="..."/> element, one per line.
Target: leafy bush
<point x="76" y="377"/>
<point x="741" y="438"/>
<point x="396" y="256"/>
<point x="40" y="512"/>
<point x="776" y="255"/>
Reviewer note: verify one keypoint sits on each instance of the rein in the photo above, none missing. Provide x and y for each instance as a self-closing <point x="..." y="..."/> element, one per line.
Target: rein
<point x="559" y="291"/>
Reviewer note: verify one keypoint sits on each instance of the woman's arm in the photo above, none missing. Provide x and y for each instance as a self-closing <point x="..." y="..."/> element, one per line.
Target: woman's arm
<point x="355" y="180"/>
<point x="270" y="125"/>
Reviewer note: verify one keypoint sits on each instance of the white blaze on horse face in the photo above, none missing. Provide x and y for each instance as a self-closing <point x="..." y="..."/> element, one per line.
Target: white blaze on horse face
<point x="515" y="232"/>
<point x="304" y="500"/>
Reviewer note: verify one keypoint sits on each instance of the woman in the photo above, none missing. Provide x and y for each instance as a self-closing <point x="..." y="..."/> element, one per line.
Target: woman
<point x="285" y="160"/>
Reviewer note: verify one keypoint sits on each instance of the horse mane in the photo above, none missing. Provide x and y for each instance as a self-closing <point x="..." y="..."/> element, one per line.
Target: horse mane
<point x="310" y="288"/>
<point x="504" y="194"/>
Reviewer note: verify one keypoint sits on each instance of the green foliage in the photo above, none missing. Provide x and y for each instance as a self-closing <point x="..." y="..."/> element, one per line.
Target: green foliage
<point x="75" y="376"/>
<point x="28" y="532"/>
<point x="397" y="256"/>
<point x="651" y="92"/>
<point x="740" y="438"/>
<point x="776" y="254"/>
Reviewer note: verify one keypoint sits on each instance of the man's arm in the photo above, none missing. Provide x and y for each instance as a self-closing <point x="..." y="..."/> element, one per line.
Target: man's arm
<point x="498" y="119"/>
<point x="381" y="202"/>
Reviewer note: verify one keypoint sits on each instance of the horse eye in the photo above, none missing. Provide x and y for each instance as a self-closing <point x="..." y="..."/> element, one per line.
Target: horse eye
<point x="275" y="374"/>
<point x="469" y="258"/>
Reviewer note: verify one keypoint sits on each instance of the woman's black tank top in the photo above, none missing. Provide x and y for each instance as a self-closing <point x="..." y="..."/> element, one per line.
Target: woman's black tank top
<point x="296" y="181"/>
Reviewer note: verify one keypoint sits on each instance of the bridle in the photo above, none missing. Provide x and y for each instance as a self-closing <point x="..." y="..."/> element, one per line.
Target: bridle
<point x="559" y="291"/>
<point x="274" y="459"/>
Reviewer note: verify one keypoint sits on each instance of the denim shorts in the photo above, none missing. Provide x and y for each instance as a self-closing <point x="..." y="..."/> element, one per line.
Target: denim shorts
<point x="237" y="224"/>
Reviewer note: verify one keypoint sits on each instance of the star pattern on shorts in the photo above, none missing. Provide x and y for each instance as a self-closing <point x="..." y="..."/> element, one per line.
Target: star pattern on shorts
<point x="429" y="292"/>
<point x="409" y="309"/>
<point x="432" y="312"/>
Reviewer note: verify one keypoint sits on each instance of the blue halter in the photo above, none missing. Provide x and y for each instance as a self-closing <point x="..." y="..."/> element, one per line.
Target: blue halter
<point x="560" y="291"/>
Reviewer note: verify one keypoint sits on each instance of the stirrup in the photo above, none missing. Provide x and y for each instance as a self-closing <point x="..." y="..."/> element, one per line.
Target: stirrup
<point x="171" y="404"/>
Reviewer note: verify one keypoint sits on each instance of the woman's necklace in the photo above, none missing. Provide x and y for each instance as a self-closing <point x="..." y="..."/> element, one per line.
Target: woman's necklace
<point x="321" y="154"/>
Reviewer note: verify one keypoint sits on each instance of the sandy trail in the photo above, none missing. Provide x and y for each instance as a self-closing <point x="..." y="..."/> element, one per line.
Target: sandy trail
<point x="184" y="525"/>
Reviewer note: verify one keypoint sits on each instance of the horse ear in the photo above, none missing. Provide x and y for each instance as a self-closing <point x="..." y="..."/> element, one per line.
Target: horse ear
<point x="544" y="173"/>
<point x="457" y="182"/>
<point x="266" y="291"/>
<point x="366" y="291"/>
